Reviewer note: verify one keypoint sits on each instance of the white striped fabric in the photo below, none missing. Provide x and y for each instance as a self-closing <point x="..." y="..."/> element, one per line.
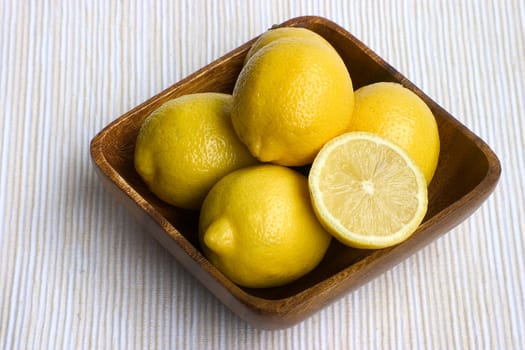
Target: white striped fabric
<point x="76" y="271"/>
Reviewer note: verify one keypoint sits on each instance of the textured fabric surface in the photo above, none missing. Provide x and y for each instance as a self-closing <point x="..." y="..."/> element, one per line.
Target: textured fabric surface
<point x="78" y="272"/>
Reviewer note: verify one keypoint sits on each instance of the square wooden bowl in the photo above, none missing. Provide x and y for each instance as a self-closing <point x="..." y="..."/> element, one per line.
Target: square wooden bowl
<point x="467" y="173"/>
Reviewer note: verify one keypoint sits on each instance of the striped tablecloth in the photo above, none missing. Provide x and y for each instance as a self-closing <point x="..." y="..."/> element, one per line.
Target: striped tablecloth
<point x="77" y="272"/>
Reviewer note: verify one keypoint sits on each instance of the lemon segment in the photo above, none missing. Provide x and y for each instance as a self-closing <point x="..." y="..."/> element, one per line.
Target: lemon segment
<point x="366" y="191"/>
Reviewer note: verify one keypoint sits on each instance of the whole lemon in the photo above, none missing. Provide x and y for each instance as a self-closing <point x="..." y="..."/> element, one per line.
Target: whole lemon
<point x="186" y="145"/>
<point x="258" y="227"/>
<point x="396" y="113"/>
<point x="282" y="32"/>
<point x="293" y="95"/>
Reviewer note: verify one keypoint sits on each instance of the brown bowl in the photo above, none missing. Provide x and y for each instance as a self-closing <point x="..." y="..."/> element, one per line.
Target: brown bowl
<point x="467" y="172"/>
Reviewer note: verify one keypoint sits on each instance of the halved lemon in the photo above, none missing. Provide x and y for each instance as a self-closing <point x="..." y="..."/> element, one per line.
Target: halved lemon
<point x="366" y="191"/>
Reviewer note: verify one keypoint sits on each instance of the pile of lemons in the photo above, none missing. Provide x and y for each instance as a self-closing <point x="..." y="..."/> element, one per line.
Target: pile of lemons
<point x="371" y="154"/>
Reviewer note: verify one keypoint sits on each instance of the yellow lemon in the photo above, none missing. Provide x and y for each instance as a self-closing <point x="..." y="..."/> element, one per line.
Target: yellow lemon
<point x="292" y="96"/>
<point x="282" y="32"/>
<point x="258" y="227"/>
<point x="399" y="115"/>
<point x="186" y="145"/>
<point x="367" y="191"/>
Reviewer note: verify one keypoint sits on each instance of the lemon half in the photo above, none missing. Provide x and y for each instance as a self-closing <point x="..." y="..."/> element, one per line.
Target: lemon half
<point x="366" y="191"/>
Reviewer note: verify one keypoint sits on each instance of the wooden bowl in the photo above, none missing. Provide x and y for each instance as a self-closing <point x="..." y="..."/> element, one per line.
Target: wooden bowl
<point x="467" y="172"/>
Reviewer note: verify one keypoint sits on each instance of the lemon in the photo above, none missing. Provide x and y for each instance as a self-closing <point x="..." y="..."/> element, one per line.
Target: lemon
<point x="282" y="32"/>
<point x="367" y="191"/>
<point x="292" y="96"/>
<point x="186" y="145"/>
<point x="399" y="115"/>
<point x="258" y="227"/>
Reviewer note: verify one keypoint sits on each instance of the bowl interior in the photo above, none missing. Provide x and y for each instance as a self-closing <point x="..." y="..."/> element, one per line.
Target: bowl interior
<point x="462" y="165"/>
